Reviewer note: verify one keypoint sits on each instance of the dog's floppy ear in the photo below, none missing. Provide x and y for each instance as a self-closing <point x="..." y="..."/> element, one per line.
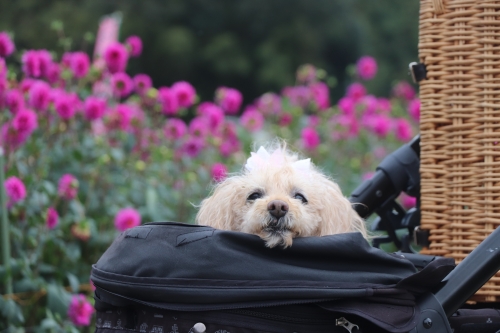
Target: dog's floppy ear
<point x="337" y="214"/>
<point x="218" y="210"/>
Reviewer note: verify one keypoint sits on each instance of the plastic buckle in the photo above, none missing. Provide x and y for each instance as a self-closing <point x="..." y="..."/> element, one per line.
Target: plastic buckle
<point x="421" y="237"/>
<point x="418" y="71"/>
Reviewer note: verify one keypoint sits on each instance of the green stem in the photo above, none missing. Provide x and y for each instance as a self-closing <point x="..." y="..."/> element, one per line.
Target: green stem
<point x="5" y="227"/>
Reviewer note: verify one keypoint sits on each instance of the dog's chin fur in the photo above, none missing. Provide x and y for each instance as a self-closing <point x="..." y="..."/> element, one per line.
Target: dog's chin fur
<point x="326" y="211"/>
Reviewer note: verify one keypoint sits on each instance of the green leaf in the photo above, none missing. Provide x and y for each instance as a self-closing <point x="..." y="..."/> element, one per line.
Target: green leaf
<point x="151" y="202"/>
<point x="73" y="282"/>
<point x="10" y="310"/>
<point x="58" y="299"/>
<point x="73" y="251"/>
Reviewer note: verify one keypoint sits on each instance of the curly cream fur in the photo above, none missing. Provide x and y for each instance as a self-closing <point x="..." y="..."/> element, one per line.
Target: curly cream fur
<point x="327" y="211"/>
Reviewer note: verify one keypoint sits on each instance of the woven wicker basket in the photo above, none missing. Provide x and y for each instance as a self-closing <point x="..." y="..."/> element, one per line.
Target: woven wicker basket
<point x="459" y="43"/>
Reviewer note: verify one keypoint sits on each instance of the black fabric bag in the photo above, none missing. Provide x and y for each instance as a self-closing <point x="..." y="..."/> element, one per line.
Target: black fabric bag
<point x="175" y="270"/>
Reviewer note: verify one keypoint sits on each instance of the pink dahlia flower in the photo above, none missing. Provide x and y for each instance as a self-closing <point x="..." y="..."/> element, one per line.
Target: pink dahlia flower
<point x="407" y="201"/>
<point x="14" y="101"/>
<point x="356" y="91"/>
<point x="184" y="92"/>
<point x="404" y="90"/>
<point x="120" y="117"/>
<point x="299" y="95"/>
<point x="174" y="129"/>
<point x="384" y="105"/>
<point x="268" y="104"/>
<point x="127" y="218"/>
<point x="39" y="95"/>
<point x="68" y="187"/>
<point x="252" y="119"/>
<point x="347" y="126"/>
<point x="321" y="95"/>
<point x="142" y="83"/>
<point x="25" y="122"/>
<point x="3" y="69"/>
<point x="370" y="104"/>
<point x="94" y="108"/>
<point x="51" y="218"/>
<point x="414" y="109"/>
<point x="310" y="138"/>
<point x="366" y="68"/>
<point x="134" y="43"/>
<point x="403" y="129"/>
<point x="116" y="57"/>
<point x="285" y="119"/>
<point x="6" y="45"/>
<point x="219" y="172"/>
<point x="168" y="100"/>
<point x="199" y="127"/>
<point x="65" y="105"/>
<point x="229" y="99"/>
<point x="31" y="63"/>
<point x="122" y="84"/>
<point x="12" y="138"/>
<point x="193" y="147"/>
<point x="15" y="190"/>
<point x="80" y="310"/>
<point x="213" y="114"/>
<point x="54" y="74"/>
<point x="79" y="64"/>
<point x="380" y="125"/>
<point x="347" y="105"/>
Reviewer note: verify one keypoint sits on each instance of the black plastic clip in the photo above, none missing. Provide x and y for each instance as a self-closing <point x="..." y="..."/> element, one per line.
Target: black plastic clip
<point x="421" y="237"/>
<point x="418" y="71"/>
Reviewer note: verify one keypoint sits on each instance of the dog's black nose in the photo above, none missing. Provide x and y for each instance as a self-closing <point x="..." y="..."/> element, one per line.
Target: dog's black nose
<point x="277" y="208"/>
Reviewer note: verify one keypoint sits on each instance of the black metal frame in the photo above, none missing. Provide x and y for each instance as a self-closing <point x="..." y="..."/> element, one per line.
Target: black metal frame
<point x="399" y="172"/>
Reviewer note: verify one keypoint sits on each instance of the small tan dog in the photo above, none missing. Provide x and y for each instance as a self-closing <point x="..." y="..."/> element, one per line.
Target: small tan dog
<point x="279" y="197"/>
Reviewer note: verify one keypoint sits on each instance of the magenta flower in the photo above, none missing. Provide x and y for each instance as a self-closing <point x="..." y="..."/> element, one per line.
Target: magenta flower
<point x="370" y="104"/>
<point x="6" y="45"/>
<point x="213" y="114"/>
<point x="347" y="126"/>
<point x="3" y="69"/>
<point x="366" y="68"/>
<point x="321" y="95"/>
<point x="313" y="121"/>
<point x="25" y="122"/>
<point x="193" y="147"/>
<point x="384" y="105"/>
<point x="347" y="106"/>
<point x="120" y="117"/>
<point x="134" y="43"/>
<point x="407" y="201"/>
<point x="285" y="119"/>
<point x="252" y="119"/>
<point x="80" y="310"/>
<point x="31" y="63"/>
<point x="168" y="100"/>
<point x="94" y="107"/>
<point x="299" y="95"/>
<point x="65" y="105"/>
<point x="54" y="73"/>
<point x="79" y="64"/>
<point x="199" y="127"/>
<point x="403" y="129"/>
<point x="184" y="92"/>
<point x="414" y="109"/>
<point x="310" y="138"/>
<point x="219" y="172"/>
<point x="174" y="129"/>
<point x="404" y="90"/>
<point x="15" y="190"/>
<point x="127" y="218"/>
<point x="122" y="84"/>
<point x="142" y="83"/>
<point x="26" y="84"/>
<point x="51" y="218"/>
<point x="116" y="57"/>
<point x="229" y="99"/>
<point x="39" y="95"/>
<point x="356" y="91"/>
<point x="380" y="125"/>
<point x="12" y="138"/>
<point x="68" y="187"/>
<point x="14" y="101"/>
<point x="269" y="103"/>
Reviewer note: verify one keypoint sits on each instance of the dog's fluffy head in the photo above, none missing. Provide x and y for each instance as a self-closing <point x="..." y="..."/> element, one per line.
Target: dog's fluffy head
<point x="278" y="200"/>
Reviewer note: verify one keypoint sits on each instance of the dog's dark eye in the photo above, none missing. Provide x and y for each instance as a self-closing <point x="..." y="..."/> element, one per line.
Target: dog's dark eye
<point x="254" y="196"/>
<point x="300" y="197"/>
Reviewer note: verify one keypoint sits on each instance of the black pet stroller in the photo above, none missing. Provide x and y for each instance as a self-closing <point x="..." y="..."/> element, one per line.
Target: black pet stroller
<point x="173" y="277"/>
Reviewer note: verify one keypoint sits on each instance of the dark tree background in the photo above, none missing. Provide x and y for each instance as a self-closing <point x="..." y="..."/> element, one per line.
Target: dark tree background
<point x="252" y="45"/>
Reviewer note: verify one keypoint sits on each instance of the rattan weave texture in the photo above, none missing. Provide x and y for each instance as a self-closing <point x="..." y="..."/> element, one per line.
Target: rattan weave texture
<point x="459" y="42"/>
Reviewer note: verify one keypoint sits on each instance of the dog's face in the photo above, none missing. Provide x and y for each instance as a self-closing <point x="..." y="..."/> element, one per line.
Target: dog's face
<point x="278" y="202"/>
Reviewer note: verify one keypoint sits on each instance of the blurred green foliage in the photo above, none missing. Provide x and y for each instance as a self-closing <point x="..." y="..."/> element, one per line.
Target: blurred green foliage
<point x="253" y="45"/>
